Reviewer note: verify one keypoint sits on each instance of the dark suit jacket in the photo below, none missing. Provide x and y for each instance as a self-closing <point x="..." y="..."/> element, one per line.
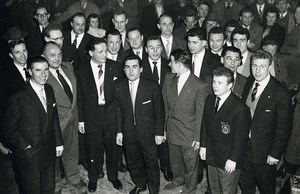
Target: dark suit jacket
<point x="26" y="123"/>
<point x="225" y="134"/>
<point x="256" y="32"/>
<point x="35" y="42"/>
<point x="184" y="112"/>
<point x="176" y="44"/>
<point x="149" y="111"/>
<point x="147" y="72"/>
<point x="257" y="19"/>
<point x="88" y="96"/>
<point x="239" y="84"/>
<point x="67" y="110"/>
<point x="130" y="52"/>
<point x="271" y="122"/>
<point x="277" y="34"/>
<point x="149" y="20"/>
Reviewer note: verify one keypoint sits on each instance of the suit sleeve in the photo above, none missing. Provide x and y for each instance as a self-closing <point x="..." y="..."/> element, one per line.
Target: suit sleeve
<point x="164" y="93"/>
<point x="56" y="126"/>
<point x="159" y="110"/>
<point x="118" y="109"/>
<point x="79" y="100"/>
<point x="203" y="132"/>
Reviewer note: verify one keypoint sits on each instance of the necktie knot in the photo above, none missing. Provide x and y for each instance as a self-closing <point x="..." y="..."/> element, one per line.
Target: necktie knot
<point x="217" y="104"/>
<point x="75" y="40"/>
<point x="155" y="71"/>
<point x="100" y="71"/>
<point x="254" y="91"/>
<point x="26" y="73"/>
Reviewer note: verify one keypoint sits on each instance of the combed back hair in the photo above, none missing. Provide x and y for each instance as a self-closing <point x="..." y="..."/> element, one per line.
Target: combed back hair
<point x="96" y="41"/>
<point x="190" y="13"/>
<point x="13" y="43"/>
<point x="48" y="44"/>
<point x="232" y="49"/>
<point x="113" y="32"/>
<point x="182" y="56"/>
<point x="153" y="37"/>
<point x="205" y="3"/>
<point x="246" y="9"/>
<point x="120" y="12"/>
<point x="269" y="42"/>
<point x="133" y="29"/>
<point x="164" y="15"/>
<point x="133" y="57"/>
<point x="78" y="14"/>
<point x="223" y="71"/>
<point x="217" y="30"/>
<point x="261" y="54"/>
<point x="232" y="23"/>
<point x="272" y="9"/>
<point x="197" y="31"/>
<point x="240" y="30"/>
<point x="50" y="28"/>
<point x="37" y="59"/>
<point x="94" y="15"/>
<point x="40" y="7"/>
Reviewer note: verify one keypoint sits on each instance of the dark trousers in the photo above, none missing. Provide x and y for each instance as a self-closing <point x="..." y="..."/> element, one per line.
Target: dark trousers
<point x="184" y="164"/>
<point x="142" y="161"/>
<point x="42" y="182"/>
<point x="261" y="175"/>
<point x="7" y="177"/>
<point x="164" y="156"/>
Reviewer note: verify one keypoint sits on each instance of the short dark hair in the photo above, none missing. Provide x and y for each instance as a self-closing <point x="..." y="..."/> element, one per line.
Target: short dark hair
<point x="96" y="41"/>
<point x="164" y="15"/>
<point x="37" y="59"/>
<point x="119" y="12"/>
<point x="261" y="54"/>
<point x="271" y="9"/>
<point x="205" y="3"/>
<point x="78" y="14"/>
<point x="232" y="49"/>
<point x="94" y="15"/>
<point x="197" y="31"/>
<point x="13" y="43"/>
<point x="113" y="32"/>
<point x="240" y="30"/>
<point x="50" y="28"/>
<point x="246" y="9"/>
<point x="217" y="30"/>
<point x="232" y="23"/>
<point x="182" y="56"/>
<point x="39" y="7"/>
<point x="223" y="71"/>
<point x="153" y="37"/>
<point x="133" y="57"/>
<point x="269" y="42"/>
<point x="133" y="29"/>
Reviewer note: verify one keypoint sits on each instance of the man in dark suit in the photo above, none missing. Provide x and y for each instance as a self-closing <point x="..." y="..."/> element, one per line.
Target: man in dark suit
<point x="259" y="8"/>
<point x="203" y="61"/>
<point x="136" y="42"/>
<point x="184" y="95"/>
<point x="31" y="125"/>
<point x="114" y="41"/>
<point x="76" y="42"/>
<point x="120" y="21"/>
<point x="96" y="82"/>
<point x="63" y="81"/>
<point x="169" y="42"/>
<point x="224" y="132"/>
<point x="155" y="68"/>
<point x="140" y="121"/>
<point x="271" y="111"/>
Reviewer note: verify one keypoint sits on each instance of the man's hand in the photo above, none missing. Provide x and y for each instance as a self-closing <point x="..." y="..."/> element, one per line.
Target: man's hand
<point x="119" y="139"/>
<point x="28" y="147"/>
<point x="196" y="145"/>
<point x="159" y="139"/>
<point x="4" y="149"/>
<point x="230" y="166"/>
<point x="81" y="127"/>
<point x="271" y="160"/>
<point x="202" y="153"/>
<point x="59" y="150"/>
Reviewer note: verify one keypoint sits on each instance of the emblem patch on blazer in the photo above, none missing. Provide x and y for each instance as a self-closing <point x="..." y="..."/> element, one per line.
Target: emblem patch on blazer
<point x="225" y="127"/>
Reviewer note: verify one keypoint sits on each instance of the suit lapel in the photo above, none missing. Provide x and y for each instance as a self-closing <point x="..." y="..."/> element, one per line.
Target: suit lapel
<point x="108" y="78"/>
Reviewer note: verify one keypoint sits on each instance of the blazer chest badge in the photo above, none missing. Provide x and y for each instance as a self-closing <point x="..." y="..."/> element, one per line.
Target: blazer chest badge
<point x="225" y="128"/>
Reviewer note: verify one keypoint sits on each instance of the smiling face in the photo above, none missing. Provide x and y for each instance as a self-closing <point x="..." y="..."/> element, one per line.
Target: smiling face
<point x="19" y="54"/>
<point x="113" y="44"/>
<point x="260" y="69"/>
<point x="132" y="69"/>
<point x="39" y="73"/>
<point x="246" y="18"/>
<point x="216" y="42"/>
<point x="120" y="22"/>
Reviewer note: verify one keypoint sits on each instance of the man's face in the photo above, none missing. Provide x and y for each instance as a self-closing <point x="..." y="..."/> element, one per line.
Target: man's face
<point x="203" y="10"/>
<point x="231" y="60"/>
<point x="195" y="45"/>
<point x="42" y="16"/>
<point x="246" y="18"/>
<point x="135" y="39"/>
<point x="113" y="44"/>
<point x="216" y="42"/>
<point x="39" y="73"/>
<point x="210" y="24"/>
<point x="270" y="48"/>
<point x="19" y="54"/>
<point x="120" y="22"/>
<point x="55" y="36"/>
<point x="99" y="55"/>
<point x="132" y="69"/>
<point x="240" y="41"/>
<point x="260" y="69"/>
<point x="94" y="22"/>
<point x="282" y="6"/>
<point x="271" y="18"/>
<point x="174" y="65"/>
<point x="228" y="32"/>
<point x="78" y="25"/>
<point x="53" y="55"/>
<point x="190" y="22"/>
<point x="153" y="49"/>
<point x="220" y="85"/>
<point x="166" y="26"/>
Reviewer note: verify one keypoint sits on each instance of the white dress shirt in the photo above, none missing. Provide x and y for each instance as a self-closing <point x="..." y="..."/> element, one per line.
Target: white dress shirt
<point x="197" y="60"/>
<point x="95" y="69"/>
<point x="158" y="65"/>
<point x="79" y="38"/>
<point x="223" y="97"/>
<point x="181" y="80"/>
<point x="62" y="73"/>
<point x="21" y="70"/>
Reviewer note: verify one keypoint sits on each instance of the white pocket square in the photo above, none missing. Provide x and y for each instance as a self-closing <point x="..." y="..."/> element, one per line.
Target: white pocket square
<point x="268" y="110"/>
<point x="146" y="102"/>
<point x="115" y="78"/>
<point x="54" y="104"/>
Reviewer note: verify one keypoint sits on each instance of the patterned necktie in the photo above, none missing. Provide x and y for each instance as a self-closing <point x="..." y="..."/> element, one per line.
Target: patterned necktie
<point x="99" y="77"/>
<point x="217" y="104"/>
<point x="254" y="91"/>
<point x="155" y="71"/>
<point x="75" y="41"/>
<point x="43" y="98"/>
<point x="65" y="85"/>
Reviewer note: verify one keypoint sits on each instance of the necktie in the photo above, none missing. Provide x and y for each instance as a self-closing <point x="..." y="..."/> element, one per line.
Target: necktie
<point x="254" y="91"/>
<point x="99" y="77"/>
<point x="155" y="71"/>
<point x="83" y="5"/>
<point x="75" y="41"/>
<point x="26" y="74"/>
<point x="132" y="95"/>
<point x="65" y="85"/>
<point x="281" y="16"/>
<point x="168" y="47"/>
<point x="260" y="11"/>
<point x="43" y="98"/>
<point x="137" y="53"/>
<point x="217" y="104"/>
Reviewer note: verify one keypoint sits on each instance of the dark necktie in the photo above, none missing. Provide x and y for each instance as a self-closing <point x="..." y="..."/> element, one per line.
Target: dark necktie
<point x="26" y="74"/>
<point x="65" y="86"/>
<point x="217" y="104"/>
<point x="99" y="76"/>
<point x="75" y="41"/>
<point x="254" y="91"/>
<point x="155" y="71"/>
